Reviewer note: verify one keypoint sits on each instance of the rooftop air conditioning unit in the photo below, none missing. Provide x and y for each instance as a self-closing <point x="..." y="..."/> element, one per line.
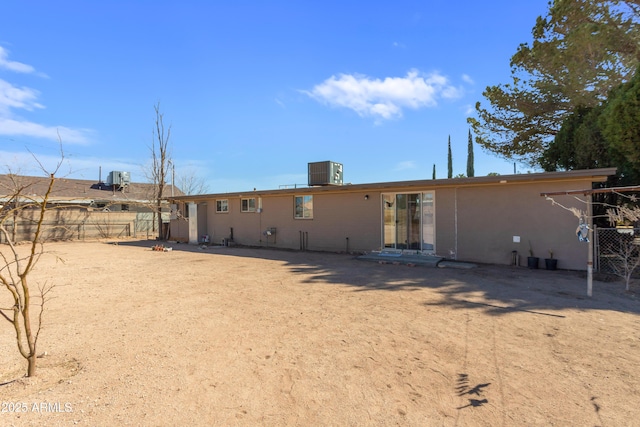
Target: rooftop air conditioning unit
<point x="119" y="178"/>
<point x="325" y="173"/>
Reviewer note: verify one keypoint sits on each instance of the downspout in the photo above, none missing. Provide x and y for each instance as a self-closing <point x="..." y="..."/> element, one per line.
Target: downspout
<point x="455" y="221"/>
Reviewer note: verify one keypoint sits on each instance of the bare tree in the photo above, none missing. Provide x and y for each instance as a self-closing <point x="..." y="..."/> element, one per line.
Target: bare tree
<point x="624" y="257"/>
<point x="160" y="159"/>
<point x="18" y="265"/>
<point x="625" y="253"/>
<point x="190" y="182"/>
<point x="623" y="214"/>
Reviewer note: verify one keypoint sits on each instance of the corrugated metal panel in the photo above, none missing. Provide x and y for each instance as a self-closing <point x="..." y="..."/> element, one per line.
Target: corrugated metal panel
<point x="120" y="178"/>
<point x="325" y="173"/>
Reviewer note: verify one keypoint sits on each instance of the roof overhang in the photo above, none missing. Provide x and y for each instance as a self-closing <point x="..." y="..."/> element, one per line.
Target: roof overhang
<point x="586" y="175"/>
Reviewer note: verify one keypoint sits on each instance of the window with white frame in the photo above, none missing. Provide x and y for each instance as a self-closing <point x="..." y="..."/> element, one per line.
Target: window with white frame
<point x="222" y="206"/>
<point x="248" y="205"/>
<point x="303" y="207"/>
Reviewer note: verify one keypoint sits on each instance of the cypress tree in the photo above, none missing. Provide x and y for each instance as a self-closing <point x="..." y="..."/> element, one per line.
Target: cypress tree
<point x="450" y="162"/>
<point x="434" y="172"/>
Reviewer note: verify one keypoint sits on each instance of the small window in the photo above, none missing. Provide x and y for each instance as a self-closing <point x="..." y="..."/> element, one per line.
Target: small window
<point x="303" y="207"/>
<point x="248" y="205"/>
<point x="222" y="206"/>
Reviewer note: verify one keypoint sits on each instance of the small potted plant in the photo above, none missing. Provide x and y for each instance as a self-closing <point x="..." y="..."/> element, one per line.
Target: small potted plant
<point x="551" y="263"/>
<point x="532" y="261"/>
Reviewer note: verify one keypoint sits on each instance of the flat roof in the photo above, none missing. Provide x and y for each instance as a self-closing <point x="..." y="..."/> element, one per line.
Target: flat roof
<point x="593" y="175"/>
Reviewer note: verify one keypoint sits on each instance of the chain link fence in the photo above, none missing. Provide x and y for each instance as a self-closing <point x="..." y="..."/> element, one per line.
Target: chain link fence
<point x="145" y="225"/>
<point x="617" y="250"/>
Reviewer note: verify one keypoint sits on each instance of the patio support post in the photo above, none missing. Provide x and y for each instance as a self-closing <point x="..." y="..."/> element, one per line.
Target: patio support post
<point x="590" y="245"/>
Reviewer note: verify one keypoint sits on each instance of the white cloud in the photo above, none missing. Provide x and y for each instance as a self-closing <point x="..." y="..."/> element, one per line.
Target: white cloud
<point x="17" y="67"/>
<point x="17" y="97"/>
<point x="24" y="98"/>
<point x="67" y="135"/>
<point x="406" y="165"/>
<point x="469" y="109"/>
<point x="384" y="99"/>
<point x="467" y="79"/>
<point x="22" y="163"/>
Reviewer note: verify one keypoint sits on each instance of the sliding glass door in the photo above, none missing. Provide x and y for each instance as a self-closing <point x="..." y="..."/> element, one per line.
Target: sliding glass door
<point x="408" y="221"/>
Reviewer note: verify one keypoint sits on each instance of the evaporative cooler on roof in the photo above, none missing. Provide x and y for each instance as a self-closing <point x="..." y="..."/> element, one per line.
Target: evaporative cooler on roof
<point x="325" y="173"/>
<point x="119" y="179"/>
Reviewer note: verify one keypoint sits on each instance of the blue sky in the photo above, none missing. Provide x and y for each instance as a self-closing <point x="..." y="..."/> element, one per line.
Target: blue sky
<point x="254" y="90"/>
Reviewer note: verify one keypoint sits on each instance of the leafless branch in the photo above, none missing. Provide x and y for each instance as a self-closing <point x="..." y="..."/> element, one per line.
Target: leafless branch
<point x="15" y="273"/>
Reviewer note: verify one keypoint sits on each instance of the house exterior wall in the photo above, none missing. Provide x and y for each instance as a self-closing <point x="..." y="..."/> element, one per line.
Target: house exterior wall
<point x="202" y="222"/>
<point x="475" y="220"/>
<point x="336" y="217"/>
<point x="179" y="230"/>
<point x="479" y="224"/>
<point x="446" y="222"/>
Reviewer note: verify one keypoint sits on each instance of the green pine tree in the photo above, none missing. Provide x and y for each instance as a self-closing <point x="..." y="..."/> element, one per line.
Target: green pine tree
<point x="470" y="172"/>
<point x="581" y="50"/>
<point x="434" y="172"/>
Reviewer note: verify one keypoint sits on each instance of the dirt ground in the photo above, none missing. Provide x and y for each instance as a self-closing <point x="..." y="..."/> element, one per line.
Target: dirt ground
<point x="240" y="336"/>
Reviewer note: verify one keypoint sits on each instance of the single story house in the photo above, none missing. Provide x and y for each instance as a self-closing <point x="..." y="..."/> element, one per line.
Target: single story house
<point x="80" y="208"/>
<point x="479" y="219"/>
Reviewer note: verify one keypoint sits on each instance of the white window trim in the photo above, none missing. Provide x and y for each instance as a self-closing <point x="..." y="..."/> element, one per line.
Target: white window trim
<point x="249" y="209"/>
<point x="227" y="205"/>
<point x="295" y="216"/>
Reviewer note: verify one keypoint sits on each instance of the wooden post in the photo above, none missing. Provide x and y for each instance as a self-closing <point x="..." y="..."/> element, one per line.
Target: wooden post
<point x="591" y="243"/>
<point x="589" y="194"/>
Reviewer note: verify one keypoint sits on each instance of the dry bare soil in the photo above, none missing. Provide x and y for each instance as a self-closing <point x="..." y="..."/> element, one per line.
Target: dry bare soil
<point x="240" y="336"/>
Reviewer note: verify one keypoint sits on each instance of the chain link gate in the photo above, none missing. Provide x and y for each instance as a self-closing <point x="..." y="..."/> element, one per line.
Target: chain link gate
<point x="617" y="249"/>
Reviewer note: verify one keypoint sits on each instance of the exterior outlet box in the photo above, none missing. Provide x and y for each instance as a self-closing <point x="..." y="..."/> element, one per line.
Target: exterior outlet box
<point x="325" y="173"/>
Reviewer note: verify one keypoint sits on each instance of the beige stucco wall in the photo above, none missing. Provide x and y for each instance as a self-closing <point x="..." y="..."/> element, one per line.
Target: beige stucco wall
<point x="479" y="224"/>
<point x="473" y="222"/>
<point x="336" y="217"/>
<point x="179" y="230"/>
